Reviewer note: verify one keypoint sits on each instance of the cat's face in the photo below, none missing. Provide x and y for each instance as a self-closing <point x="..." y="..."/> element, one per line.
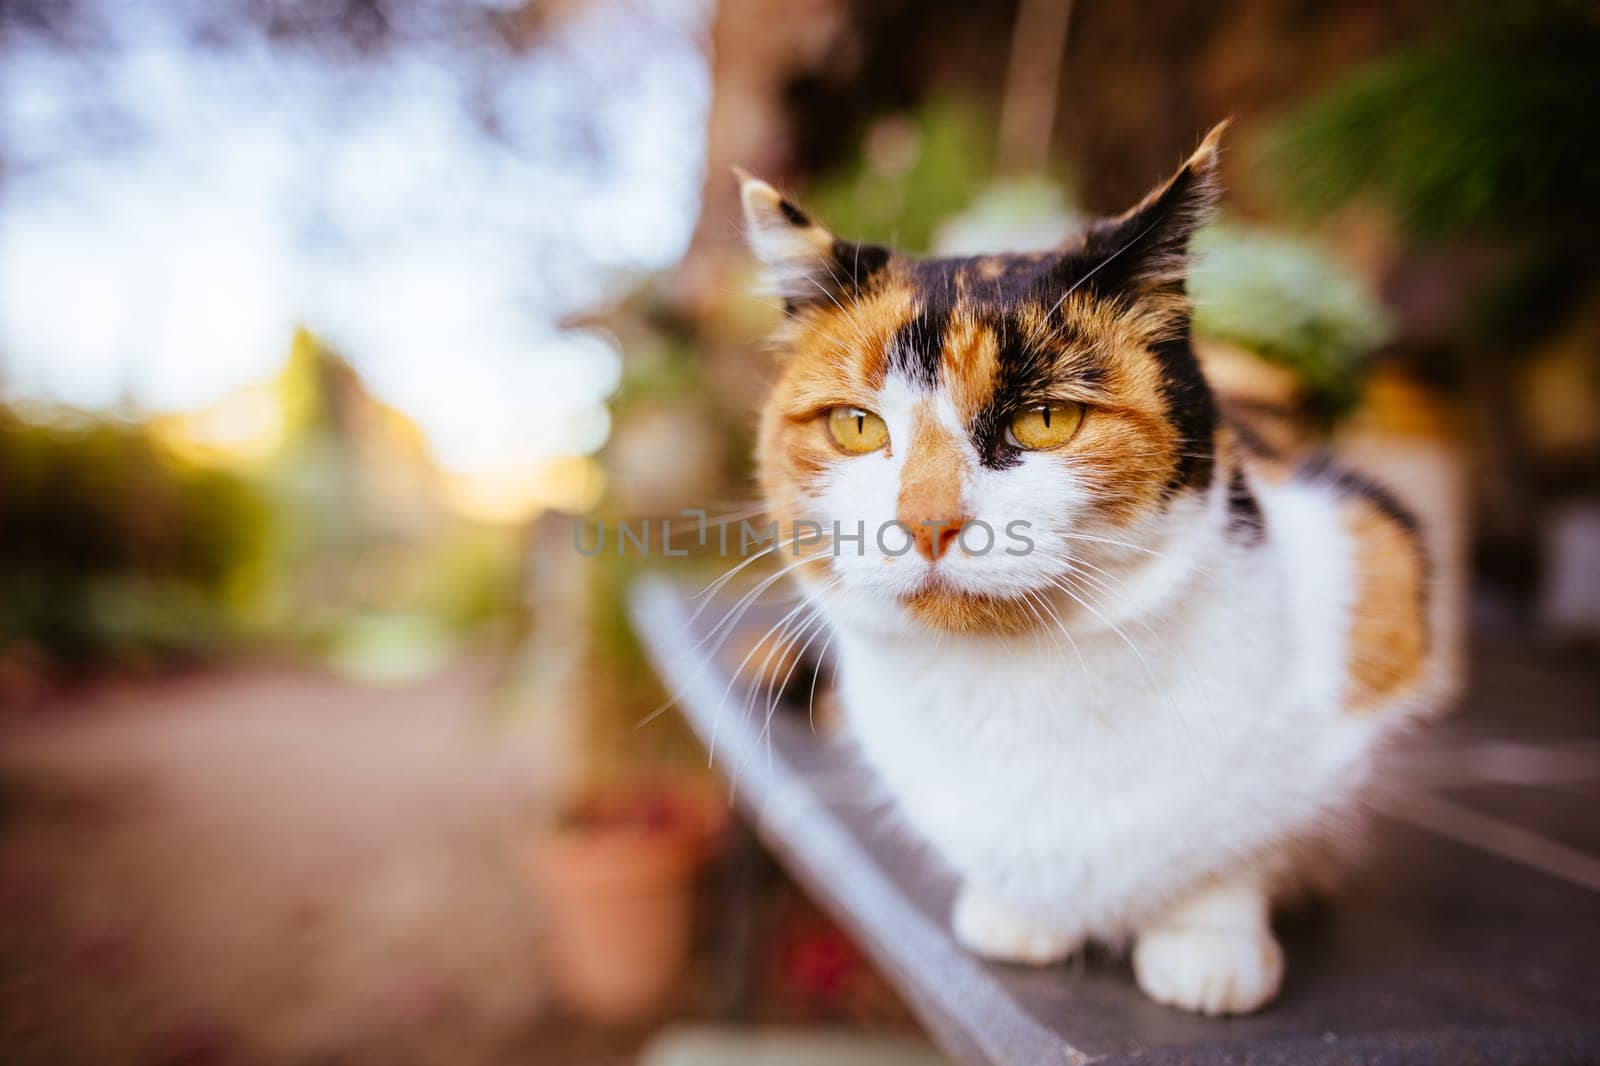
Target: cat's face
<point x="994" y="427"/>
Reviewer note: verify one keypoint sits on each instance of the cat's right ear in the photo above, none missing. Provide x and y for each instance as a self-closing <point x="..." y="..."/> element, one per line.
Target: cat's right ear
<point x="807" y="264"/>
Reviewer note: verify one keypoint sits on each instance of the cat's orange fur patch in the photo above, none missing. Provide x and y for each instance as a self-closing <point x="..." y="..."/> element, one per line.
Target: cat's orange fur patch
<point x="970" y="363"/>
<point x="831" y="355"/>
<point x="959" y="612"/>
<point x="1388" y="640"/>
<point x="930" y="483"/>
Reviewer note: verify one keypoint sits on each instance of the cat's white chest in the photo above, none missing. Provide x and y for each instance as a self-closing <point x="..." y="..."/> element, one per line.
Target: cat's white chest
<point x="1086" y="784"/>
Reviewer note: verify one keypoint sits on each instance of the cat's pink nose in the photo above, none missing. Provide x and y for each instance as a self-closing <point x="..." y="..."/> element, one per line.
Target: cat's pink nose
<point x="934" y="536"/>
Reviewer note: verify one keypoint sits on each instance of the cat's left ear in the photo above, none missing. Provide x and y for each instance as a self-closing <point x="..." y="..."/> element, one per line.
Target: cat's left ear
<point x="1146" y="250"/>
<point x="808" y="264"/>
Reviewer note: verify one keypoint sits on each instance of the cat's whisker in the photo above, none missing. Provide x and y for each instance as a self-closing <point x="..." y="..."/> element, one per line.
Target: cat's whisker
<point x="729" y="622"/>
<point x="1080" y="561"/>
<point x="1055" y="620"/>
<point x="775" y="687"/>
<point x="811" y="699"/>
<point x="1188" y="669"/>
<point x="728" y="575"/>
<point x="708" y="595"/>
<point x="1193" y="565"/>
<point x="848" y="317"/>
<point x="780" y="645"/>
<point x="781" y="642"/>
<point x="1104" y="584"/>
<point x="743" y="513"/>
<point x="1108" y="540"/>
<point x="1075" y="286"/>
<point x="738" y="671"/>
<point x="1038" y="638"/>
<point x="701" y="524"/>
<point x="716" y="584"/>
<point x="1059" y="624"/>
<point x="815" y="620"/>
<point x="820" y="622"/>
<point x="768" y="641"/>
<point x="725" y="627"/>
<point x="1144" y="663"/>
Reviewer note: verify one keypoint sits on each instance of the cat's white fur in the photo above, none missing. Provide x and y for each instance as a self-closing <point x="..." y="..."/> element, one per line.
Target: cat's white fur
<point x="1145" y="766"/>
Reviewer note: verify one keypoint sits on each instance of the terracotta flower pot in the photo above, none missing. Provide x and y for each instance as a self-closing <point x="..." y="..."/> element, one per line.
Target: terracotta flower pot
<point x="617" y="879"/>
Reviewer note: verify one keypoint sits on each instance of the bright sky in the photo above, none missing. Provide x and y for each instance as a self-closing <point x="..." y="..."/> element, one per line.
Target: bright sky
<point x="165" y="256"/>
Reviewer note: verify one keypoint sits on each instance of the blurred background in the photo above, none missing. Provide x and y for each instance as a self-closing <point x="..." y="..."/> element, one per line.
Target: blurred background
<point x="320" y="320"/>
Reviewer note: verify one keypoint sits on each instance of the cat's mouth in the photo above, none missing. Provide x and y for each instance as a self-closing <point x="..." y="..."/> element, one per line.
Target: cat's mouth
<point x="939" y="604"/>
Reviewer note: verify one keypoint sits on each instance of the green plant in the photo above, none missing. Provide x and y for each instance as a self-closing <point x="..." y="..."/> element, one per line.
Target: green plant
<point x="1487" y="133"/>
<point x="912" y="173"/>
<point x="1490" y="128"/>
<point x="110" y="549"/>
<point x="1288" y="301"/>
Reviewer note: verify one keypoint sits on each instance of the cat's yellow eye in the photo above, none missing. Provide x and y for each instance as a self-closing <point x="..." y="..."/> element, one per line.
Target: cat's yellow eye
<point x="1046" y="425"/>
<point x="856" y="431"/>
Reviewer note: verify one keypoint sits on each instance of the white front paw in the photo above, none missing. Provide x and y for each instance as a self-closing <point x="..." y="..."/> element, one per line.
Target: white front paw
<point x="987" y="927"/>
<point x="1210" y="970"/>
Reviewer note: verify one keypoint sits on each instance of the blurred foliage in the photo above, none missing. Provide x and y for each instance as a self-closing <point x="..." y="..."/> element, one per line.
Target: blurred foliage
<point x="1287" y="301"/>
<point x="1493" y="128"/>
<point x="1012" y="215"/>
<point x="109" y="545"/>
<point x="911" y="173"/>
<point x="1489" y="133"/>
<point x="325" y="530"/>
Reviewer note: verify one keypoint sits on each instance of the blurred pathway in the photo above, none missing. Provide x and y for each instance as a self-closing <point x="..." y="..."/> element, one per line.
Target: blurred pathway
<point x="268" y="865"/>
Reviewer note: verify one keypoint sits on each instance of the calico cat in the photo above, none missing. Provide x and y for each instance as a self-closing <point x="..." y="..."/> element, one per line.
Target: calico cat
<point x="1143" y="728"/>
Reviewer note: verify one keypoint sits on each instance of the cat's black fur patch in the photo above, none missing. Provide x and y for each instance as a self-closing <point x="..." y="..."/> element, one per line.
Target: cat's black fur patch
<point x="858" y="265"/>
<point x="1191" y="409"/>
<point x="1147" y="249"/>
<point x="984" y="284"/>
<point x="795" y="216"/>
<point x="850" y="270"/>
<point x="918" y="345"/>
<point x="935" y="282"/>
<point x="1236" y="416"/>
<point x="1246" y="524"/>
<point x="1323" y="469"/>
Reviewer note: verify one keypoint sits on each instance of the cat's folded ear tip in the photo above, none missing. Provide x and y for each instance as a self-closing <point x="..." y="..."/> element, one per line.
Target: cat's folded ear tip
<point x="1210" y="145"/>
<point x="758" y="196"/>
<point x="765" y="206"/>
<point x="750" y="184"/>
